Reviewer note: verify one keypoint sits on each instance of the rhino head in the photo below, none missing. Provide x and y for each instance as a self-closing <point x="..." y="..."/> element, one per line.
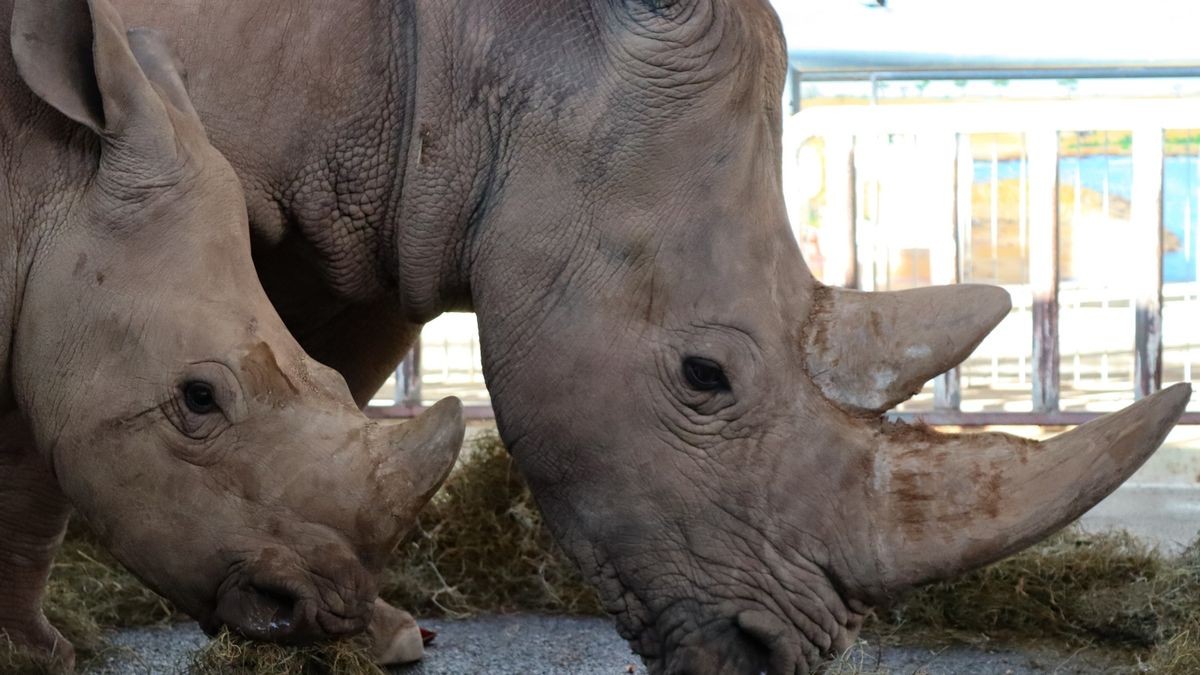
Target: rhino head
<point x="700" y="419"/>
<point x="220" y="463"/>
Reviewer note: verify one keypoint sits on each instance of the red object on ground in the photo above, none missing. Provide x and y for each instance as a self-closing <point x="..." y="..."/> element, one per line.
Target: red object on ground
<point x="427" y="636"/>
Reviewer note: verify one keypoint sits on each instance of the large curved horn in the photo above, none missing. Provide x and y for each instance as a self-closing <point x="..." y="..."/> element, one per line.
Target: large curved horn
<point x="419" y="455"/>
<point x="870" y="351"/>
<point x="942" y="505"/>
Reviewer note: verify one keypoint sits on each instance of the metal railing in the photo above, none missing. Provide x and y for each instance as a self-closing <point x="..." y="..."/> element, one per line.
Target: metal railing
<point x="842" y="130"/>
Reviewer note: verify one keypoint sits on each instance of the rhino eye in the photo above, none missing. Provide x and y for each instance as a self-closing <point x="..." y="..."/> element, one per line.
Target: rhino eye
<point x="199" y="397"/>
<point x="704" y="375"/>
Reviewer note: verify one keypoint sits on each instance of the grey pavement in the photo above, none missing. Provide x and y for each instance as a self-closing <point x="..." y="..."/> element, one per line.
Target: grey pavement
<point x="541" y="645"/>
<point x="1165" y="515"/>
<point x="1161" y="502"/>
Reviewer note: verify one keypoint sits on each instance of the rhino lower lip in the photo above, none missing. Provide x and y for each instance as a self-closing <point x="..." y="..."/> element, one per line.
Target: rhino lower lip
<point x="336" y="625"/>
<point x="259" y="612"/>
<point x="267" y="612"/>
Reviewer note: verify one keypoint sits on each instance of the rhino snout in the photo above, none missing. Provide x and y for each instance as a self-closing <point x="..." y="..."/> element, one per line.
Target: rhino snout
<point x="295" y="608"/>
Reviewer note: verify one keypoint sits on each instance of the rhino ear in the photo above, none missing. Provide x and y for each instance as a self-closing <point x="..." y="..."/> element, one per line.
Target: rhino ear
<point x="75" y="56"/>
<point x="162" y="66"/>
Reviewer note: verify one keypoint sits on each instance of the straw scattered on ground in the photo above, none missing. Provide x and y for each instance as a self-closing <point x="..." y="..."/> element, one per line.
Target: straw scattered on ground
<point x="1079" y="589"/>
<point x="227" y="654"/>
<point x="481" y="547"/>
<point x="17" y="661"/>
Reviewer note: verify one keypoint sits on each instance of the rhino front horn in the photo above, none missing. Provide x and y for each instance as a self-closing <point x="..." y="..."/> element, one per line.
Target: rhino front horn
<point x="870" y="351"/>
<point x="943" y="504"/>
<point x="420" y="454"/>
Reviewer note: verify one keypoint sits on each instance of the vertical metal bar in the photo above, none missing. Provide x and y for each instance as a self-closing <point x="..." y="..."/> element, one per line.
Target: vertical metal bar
<point x="853" y="274"/>
<point x="946" y="265"/>
<point x="964" y="197"/>
<point x="1044" y="266"/>
<point x="794" y="89"/>
<point x="1147" y="216"/>
<point x="408" y="378"/>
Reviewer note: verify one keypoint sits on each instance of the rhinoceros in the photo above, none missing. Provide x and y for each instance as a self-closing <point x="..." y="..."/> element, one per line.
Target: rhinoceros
<point x="148" y="381"/>
<point x="600" y="182"/>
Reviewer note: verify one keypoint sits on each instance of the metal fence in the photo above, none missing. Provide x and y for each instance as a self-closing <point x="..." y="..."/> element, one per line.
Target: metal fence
<point x="935" y="173"/>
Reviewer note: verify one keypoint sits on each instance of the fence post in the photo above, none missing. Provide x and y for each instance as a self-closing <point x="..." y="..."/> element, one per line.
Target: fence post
<point x="946" y="262"/>
<point x="1042" y="148"/>
<point x="1147" y="220"/>
<point x="408" y="378"/>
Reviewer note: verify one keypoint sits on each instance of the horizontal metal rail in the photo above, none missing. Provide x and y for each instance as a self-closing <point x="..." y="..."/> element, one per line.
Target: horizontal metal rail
<point x="988" y="118"/>
<point x="947" y="418"/>
<point x="917" y="74"/>
<point x="933" y="418"/>
<point x="385" y="412"/>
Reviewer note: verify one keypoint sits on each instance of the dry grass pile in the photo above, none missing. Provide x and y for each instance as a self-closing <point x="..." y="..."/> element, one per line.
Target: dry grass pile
<point x="481" y="546"/>
<point x="17" y="661"/>
<point x="227" y="654"/>
<point x="1107" y="590"/>
<point x="90" y="591"/>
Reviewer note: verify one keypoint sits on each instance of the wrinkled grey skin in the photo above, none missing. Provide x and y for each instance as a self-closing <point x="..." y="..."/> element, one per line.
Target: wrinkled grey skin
<point x="599" y="180"/>
<point x="268" y="504"/>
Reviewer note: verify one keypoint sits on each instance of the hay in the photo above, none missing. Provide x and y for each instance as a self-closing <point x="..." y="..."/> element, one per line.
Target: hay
<point x="1097" y="591"/>
<point x="1075" y="587"/>
<point x="855" y="662"/>
<point x="481" y="546"/>
<point x="17" y="661"/>
<point x="227" y="654"/>
<point x="1180" y="655"/>
<point x="90" y="591"/>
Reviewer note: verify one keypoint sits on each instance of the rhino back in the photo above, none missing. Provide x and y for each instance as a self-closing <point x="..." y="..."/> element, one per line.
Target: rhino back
<point x="314" y="126"/>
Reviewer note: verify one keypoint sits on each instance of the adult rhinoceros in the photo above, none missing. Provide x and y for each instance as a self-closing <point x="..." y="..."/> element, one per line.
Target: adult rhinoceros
<point x="599" y="180"/>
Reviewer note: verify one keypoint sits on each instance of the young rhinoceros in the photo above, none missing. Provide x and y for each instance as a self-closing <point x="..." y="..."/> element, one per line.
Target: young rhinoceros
<point x="148" y="382"/>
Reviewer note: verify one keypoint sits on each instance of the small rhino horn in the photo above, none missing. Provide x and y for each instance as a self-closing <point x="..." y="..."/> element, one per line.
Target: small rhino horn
<point x="420" y="455"/>
<point x="870" y="351"/>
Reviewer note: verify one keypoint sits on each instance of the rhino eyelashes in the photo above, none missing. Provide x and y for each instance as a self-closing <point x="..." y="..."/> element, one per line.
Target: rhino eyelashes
<point x="704" y="374"/>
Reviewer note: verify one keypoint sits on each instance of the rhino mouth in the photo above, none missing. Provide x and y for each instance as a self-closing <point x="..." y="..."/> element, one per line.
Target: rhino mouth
<point x="752" y="640"/>
<point x="288" y="611"/>
<point x="778" y="621"/>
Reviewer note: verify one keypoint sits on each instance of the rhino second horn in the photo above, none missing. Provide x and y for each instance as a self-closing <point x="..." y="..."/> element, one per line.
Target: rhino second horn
<point x="869" y="351"/>
<point x="944" y="504"/>
<point x="420" y="454"/>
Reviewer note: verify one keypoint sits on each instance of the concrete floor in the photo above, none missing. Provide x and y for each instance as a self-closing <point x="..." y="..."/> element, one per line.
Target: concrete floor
<point x="541" y="645"/>
<point x="1161" y="502"/>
